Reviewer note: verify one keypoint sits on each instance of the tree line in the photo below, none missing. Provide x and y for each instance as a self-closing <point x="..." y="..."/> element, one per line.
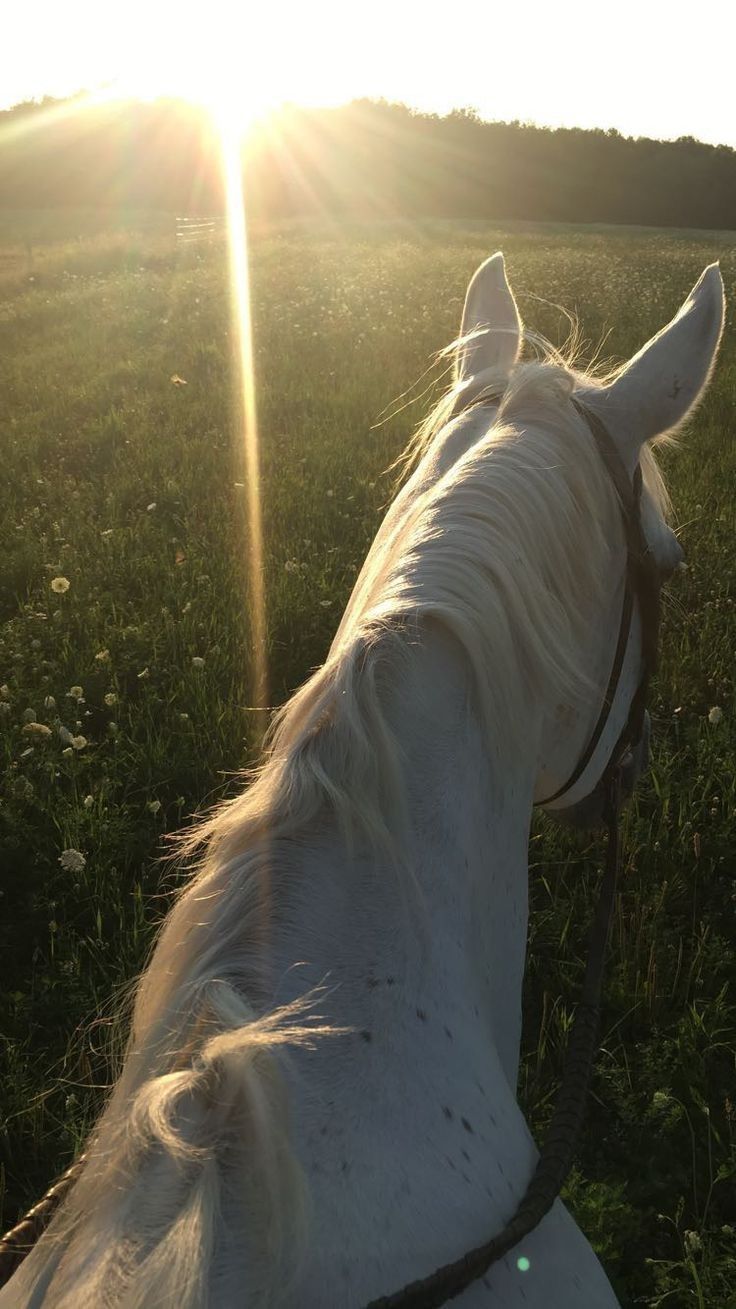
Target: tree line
<point x="368" y="160"/>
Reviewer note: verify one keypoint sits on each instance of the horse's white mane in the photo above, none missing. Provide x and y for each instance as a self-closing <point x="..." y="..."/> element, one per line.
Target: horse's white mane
<point x="505" y="550"/>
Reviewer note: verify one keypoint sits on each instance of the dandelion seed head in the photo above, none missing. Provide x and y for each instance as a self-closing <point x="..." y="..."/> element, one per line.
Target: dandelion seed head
<point x="72" y="861"/>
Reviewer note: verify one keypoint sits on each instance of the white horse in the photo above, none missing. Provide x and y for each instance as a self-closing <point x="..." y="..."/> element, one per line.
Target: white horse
<point x="254" y="1153"/>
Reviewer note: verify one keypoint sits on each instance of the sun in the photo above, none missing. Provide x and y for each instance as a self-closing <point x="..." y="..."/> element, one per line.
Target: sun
<point x="236" y="103"/>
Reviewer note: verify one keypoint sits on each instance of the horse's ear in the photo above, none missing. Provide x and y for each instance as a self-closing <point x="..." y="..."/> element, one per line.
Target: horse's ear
<point x="490" y="313"/>
<point x="660" y="386"/>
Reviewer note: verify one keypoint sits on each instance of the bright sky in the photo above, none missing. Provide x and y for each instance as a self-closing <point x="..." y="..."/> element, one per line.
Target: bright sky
<point x="661" y="69"/>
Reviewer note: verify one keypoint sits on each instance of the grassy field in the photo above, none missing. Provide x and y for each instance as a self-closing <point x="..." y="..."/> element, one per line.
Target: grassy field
<point x="129" y="486"/>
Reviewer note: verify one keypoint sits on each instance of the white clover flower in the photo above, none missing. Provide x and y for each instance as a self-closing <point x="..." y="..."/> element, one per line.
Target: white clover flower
<point x="68" y="751"/>
<point x="49" y="702"/>
<point x="60" y="584"/>
<point x="153" y="806"/>
<point x="75" y="693"/>
<point x="79" y="742"/>
<point x="715" y="715"/>
<point x="88" y="801"/>
<point x="184" y="718"/>
<point x="5" y="691"/>
<point x="72" y="861"/>
<point x="110" y="699"/>
<point x="197" y="661"/>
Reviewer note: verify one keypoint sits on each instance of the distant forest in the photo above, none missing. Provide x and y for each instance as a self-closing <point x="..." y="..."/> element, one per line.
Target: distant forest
<point x="369" y="159"/>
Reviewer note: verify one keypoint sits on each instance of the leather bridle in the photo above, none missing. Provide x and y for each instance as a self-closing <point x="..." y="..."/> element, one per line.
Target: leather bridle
<point x="642" y="584"/>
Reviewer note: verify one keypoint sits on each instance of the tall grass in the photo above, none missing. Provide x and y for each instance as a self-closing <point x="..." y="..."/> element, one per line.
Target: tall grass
<point x="129" y="485"/>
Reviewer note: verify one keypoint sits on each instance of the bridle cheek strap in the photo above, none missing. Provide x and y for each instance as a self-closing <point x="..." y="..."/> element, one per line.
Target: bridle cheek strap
<point x="641" y="582"/>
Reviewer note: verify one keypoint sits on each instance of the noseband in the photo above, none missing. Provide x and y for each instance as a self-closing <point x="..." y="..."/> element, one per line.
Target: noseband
<point x="642" y="583"/>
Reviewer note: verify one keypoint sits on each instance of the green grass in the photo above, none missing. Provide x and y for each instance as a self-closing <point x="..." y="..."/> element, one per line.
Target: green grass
<point x="126" y="484"/>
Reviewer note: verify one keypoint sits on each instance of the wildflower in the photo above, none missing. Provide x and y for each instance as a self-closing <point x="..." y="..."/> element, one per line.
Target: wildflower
<point x="110" y="699"/>
<point x="68" y="751"/>
<point x="88" y="801"/>
<point x="49" y="702"/>
<point x="79" y="742"/>
<point x="150" y="508"/>
<point x="715" y="715"/>
<point x="25" y="753"/>
<point x="5" y="691"/>
<point x="325" y="604"/>
<point x="153" y="806"/>
<point x="112" y="729"/>
<point x="29" y="715"/>
<point x="72" y="861"/>
<point x="177" y="380"/>
<point x="291" y="566"/>
<point x="184" y="718"/>
<point x="75" y="693"/>
<point x="37" y="730"/>
<point x="103" y="656"/>
<point x="197" y="661"/>
<point x="144" y="673"/>
<point x="329" y="494"/>
<point x="108" y="531"/>
<point x="693" y="1243"/>
<point x="60" y="584"/>
<point x="65" y="735"/>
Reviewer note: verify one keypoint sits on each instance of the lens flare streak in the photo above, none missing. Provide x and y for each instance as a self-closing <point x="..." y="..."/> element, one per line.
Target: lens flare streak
<point x="237" y="238"/>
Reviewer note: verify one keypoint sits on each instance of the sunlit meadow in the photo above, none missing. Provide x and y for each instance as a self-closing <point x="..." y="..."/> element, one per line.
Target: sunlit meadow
<point x="126" y="672"/>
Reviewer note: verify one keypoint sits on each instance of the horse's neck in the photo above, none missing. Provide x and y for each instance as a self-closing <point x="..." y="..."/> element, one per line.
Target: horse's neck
<point x="432" y="966"/>
<point x="428" y="977"/>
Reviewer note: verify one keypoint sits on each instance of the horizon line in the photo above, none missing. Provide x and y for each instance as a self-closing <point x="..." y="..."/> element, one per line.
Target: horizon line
<point x="471" y="111"/>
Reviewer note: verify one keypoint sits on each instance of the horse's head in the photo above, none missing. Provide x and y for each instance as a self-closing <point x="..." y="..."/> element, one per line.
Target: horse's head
<point x="651" y="395"/>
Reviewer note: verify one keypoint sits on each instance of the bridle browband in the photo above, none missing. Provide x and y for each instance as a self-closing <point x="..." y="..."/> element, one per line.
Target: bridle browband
<point x="642" y="583"/>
